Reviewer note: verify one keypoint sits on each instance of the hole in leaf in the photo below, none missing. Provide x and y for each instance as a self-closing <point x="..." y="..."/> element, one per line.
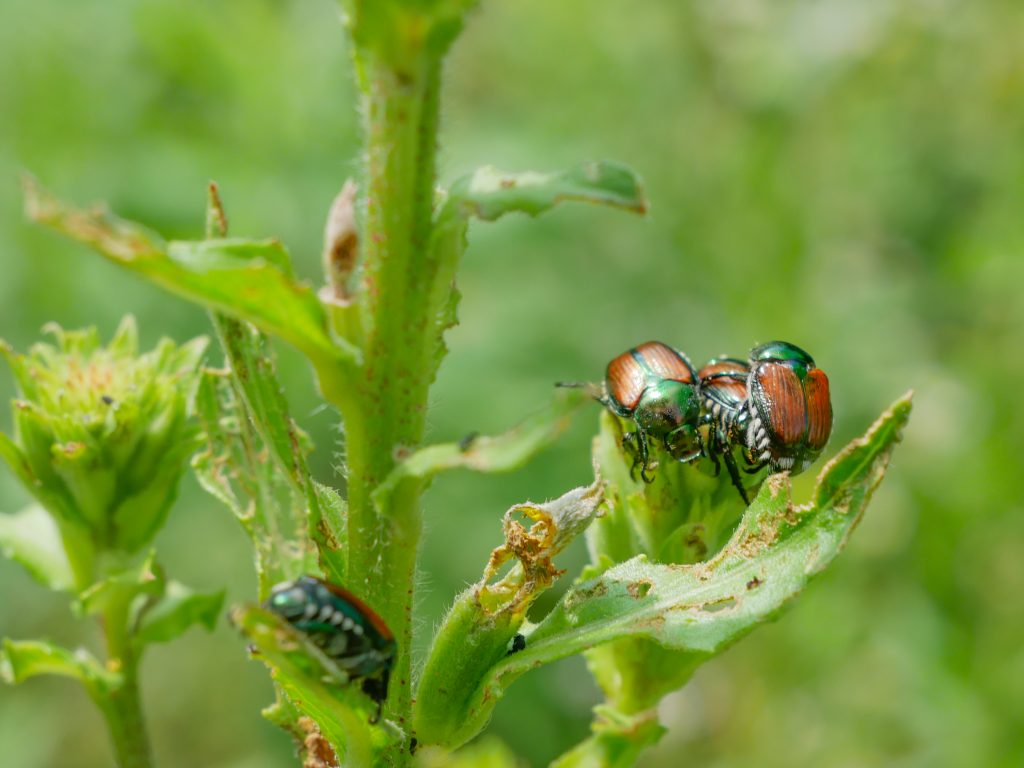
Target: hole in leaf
<point x="719" y="605"/>
<point x="639" y="589"/>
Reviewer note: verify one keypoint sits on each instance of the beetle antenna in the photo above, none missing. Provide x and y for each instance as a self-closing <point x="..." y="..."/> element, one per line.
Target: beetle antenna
<point x="595" y="391"/>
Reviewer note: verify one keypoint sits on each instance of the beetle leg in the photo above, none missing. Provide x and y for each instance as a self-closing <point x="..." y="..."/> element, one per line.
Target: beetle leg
<point x="753" y="465"/>
<point x="641" y="439"/>
<point x="734" y="475"/>
<point x="716" y="464"/>
<point x="748" y="455"/>
<point x="634" y="450"/>
<point x="376" y="687"/>
<point x="712" y="450"/>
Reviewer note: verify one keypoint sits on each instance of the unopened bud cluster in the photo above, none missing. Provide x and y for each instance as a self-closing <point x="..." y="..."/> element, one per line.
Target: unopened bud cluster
<point x="102" y="432"/>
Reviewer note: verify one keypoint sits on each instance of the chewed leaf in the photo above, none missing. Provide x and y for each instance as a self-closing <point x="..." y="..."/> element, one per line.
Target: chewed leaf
<point x="552" y="526"/>
<point x="313" y="684"/>
<point x="259" y="399"/>
<point x="253" y="371"/>
<point x="776" y="549"/>
<point x="30" y="538"/>
<point x="480" y="628"/>
<point x="264" y="480"/>
<point x="249" y="279"/>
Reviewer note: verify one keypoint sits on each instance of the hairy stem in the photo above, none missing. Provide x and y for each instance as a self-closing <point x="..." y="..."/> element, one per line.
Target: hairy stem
<point x="123" y="711"/>
<point x="400" y="108"/>
<point x="122" y="706"/>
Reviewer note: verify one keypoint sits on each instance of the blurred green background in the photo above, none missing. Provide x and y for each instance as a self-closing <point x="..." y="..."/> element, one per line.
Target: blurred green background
<point x="846" y="174"/>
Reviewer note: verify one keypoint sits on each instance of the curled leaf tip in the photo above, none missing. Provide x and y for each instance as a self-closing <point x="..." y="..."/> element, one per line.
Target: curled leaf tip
<point x="554" y="525"/>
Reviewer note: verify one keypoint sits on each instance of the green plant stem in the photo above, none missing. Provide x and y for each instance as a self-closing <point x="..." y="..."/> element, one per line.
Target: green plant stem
<point x="122" y="704"/>
<point x="79" y="551"/>
<point x="617" y="740"/>
<point x="125" y="721"/>
<point x="400" y="108"/>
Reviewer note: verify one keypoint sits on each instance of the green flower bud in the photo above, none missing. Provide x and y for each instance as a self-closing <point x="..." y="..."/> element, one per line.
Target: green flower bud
<point x="102" y="434"/>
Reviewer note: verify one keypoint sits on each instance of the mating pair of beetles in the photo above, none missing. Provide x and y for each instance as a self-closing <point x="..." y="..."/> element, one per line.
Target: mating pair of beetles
<point x="775" y="407"/>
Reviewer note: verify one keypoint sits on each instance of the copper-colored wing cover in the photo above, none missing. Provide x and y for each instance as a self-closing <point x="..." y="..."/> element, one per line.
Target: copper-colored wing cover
<point x="781" y="389"/>
<point x="819" y="409"/>
<point x="626" y="380"/>
<point x="665" y="362"/>
<point x="725" y="389"/>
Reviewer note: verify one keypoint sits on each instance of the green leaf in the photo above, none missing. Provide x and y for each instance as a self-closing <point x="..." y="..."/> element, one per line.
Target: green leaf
<point x="501" y="453"/>
<point x="31" y="538"/>
<point x="49" y="495"/>
<point x="17" y="462"/>
<point x="702" y="608"/>
<point x="22" y="659"/>
<point x="328" y="528"/>
<point x="488" y="193"/>
<point x="230" y="253"/>
<point x="176" y="611"/>
<point x="314" y="684"/>
<point x="145" y="578"/>
<point x="251" y="280"/>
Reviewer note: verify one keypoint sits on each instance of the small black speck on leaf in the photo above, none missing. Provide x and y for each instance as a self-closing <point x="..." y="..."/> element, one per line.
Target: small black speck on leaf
<point x="518" y="644"/>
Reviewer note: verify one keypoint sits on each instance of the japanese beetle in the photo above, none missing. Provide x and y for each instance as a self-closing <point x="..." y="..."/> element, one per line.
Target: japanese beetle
<point x="655" y="386"/>
<point x="723" y="389"/>
<point x="343" y="627"/>
<point x="788" y="412"/>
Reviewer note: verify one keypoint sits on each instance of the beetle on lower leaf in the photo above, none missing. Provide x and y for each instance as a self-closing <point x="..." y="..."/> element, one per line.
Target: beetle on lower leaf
<point x="655" y="387"/>
<point x="347" y="630"/>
